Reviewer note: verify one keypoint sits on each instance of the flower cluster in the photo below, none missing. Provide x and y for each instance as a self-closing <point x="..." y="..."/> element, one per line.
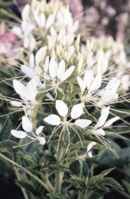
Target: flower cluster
<point x="71" y="84"/>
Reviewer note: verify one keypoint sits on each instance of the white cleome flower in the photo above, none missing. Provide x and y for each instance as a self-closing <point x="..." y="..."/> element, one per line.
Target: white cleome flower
<point x="31" y="70"/>
<point x="90" y="82"/>
<point x="57" y="72"/>
<point x="109" y="94"/>
<point x="27" y="92"/>
<point x="28" y="131"/>
<point x="103" y="123"/>
<point x="62" y="109"/>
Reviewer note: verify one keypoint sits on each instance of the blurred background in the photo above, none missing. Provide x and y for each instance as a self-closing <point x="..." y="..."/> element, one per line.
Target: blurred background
<point x="98" y="17"/>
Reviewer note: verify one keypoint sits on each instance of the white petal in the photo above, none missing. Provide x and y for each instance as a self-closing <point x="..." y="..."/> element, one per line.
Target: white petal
<point x="41" y="20"/>
<point x="89" y="148"/>
<point x="32" y="88"/>
<point x="77" y="111"/>
<point x="39" y="130"/>
<point x="88" y="79"/>
<point x="110" y="92"/>
<point x="26" y="13"/>
<point x="113" y="84"/>
<point x="32" y="42"/>
<point x="103" y="61"/>
<point x="100" y="132"/>
<point x="96" y="84"/>
<point x="17" y="30"/>
<point x="68" y="73"/>
<point x="61" y="108"/>
<point x="32" y="61"/>
<point x="16" y="103"/>
<point x="27" y="28"/>
<point x="61" y="70"/>
<point x="111" y="121"/>
<point x="53" y="120"/>
<point x="81" y="84"/>
<point x="50" y="21"/>
<point x="53" y="67"/>
<point x="26" y="124"/>
<point x="28" y="71"/>
<point x="29" y="42"/>
<point x="19" y="88"/>
<point x="40" y="55"/>
<point x="103" y="117"/>
<point x="46" y="65"/>
<point x="41" y="140"/>
<point x="18" y="134"/>
<point x="125" y="82"/>
<point x="83" y="123"/>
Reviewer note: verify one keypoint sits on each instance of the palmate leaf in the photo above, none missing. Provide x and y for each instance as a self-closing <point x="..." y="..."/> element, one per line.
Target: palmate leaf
<point x="100" y="181"/>
<point x="108" y="184"/>
<point x="97" y="185"/>
<point x="127" y="185"/>
<point x="115" y="185"/>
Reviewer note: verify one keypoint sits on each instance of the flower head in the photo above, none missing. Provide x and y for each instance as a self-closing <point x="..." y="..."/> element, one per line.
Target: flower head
<point x="103" y="123"/>
<point x="62" y="109"/>
<point x="29" y="132"/>
<point x="27" y="92"/>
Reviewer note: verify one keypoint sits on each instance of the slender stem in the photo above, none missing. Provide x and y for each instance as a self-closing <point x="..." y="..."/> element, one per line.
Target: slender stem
<point x="4" y="12"/>
<point x="60" y="153"/>
<point x="22" y="189"/>
<point x="59" y="181"/>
